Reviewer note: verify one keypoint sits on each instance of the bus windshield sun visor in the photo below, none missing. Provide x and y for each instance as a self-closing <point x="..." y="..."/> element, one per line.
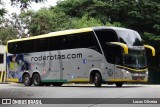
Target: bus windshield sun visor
<point x="151" y="48"/>
<point x="124" y="46"/>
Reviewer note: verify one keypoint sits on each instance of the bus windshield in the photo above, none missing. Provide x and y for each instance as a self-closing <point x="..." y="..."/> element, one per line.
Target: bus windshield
<point x="129" y="37"/>
<point x="135" y="59"/>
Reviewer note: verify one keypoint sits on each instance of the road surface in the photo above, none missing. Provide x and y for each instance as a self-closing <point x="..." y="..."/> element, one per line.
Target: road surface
<point x="73" y="91"/>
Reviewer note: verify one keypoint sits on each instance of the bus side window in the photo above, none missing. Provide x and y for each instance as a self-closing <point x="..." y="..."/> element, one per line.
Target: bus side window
<point x="30" y="46"/>
<point x="55" y="43"/>
<point x="71" y="41"/>
<point x="12" y="47"/>
<point x="20" y="47"/>
<point x="42" y="45"/>
<point x="88" y="40"/>
<point x="105" y="36"/>
<point x="63" y="42"/>
<point x="1" y="58"/>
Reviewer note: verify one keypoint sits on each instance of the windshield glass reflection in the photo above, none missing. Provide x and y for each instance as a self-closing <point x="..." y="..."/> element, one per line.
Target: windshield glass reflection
<point x="135" y="59"/>
<point x="130" y="37"/>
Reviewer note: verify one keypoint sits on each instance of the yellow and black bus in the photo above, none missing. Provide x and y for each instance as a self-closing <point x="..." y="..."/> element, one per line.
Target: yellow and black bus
<point x="89" y="55"/>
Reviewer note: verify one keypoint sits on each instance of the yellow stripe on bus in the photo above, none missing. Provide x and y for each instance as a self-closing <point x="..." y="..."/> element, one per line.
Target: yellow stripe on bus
<point x="58" y="33"/>
<point x="151" y="48"/>
<point x="139" y="70"/>
<point x="4" y="79"/>
<point x="1" y="77"/>
<point x="124" y="46"/>
<point x="12" y="79"/>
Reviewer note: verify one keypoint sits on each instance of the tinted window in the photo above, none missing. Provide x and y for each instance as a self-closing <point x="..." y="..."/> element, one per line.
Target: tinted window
<point x="106" y="36"/>
<point x="42" y="45"/>
<point x="70" y="41"/>
<point x="111" y="53"/>
<point x="17" y="47"/>
<point x="88" y="40"/>
<point x="12" y="48"/>
<point x="55" y="43"/>
<point x="1" y="58"/>
<point x="63" y="42"/>
<point x="27" y="46"/>
<point x="20" y="47"/>
<point x="30" y="46"/>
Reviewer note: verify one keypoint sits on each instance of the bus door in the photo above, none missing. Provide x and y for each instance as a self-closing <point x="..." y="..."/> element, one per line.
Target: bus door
<point x="118" y="73"/>
<point x="114" y="58"/>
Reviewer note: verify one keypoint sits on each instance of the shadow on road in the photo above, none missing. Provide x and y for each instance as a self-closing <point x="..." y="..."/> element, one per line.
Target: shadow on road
<point x="85" y="86"/>
<point x="104" y="86"/>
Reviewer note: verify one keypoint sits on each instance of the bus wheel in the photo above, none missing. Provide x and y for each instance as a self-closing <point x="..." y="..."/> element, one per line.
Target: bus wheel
<point x="57" y="84"/>
<point x="27" y="80"/>
<point x="119" y="84"/>
<point x="36" y="80"/>
<point x="97" y="80"/>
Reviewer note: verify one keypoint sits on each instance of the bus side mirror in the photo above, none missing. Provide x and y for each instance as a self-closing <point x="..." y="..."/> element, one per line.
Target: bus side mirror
<point x="150" y="49"/>
<point x="122" y="45"/>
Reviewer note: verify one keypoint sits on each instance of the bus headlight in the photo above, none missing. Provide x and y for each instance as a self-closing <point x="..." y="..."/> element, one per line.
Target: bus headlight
<point x="147" y="72"/>
<point x="127" y="72"/>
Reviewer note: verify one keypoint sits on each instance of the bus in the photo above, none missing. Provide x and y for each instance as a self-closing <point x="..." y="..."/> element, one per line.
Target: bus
<point x="95" y="55"/>
<point x="2" y="63"/>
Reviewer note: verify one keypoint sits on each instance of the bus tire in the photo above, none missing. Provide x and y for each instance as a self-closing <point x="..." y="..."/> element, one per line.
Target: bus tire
<point x="37" y="80"/>
<point x="27" y="80"/>
<point x="97" y="80"/>
<point x="57" y="84"/>
<point x="119" y="84"/>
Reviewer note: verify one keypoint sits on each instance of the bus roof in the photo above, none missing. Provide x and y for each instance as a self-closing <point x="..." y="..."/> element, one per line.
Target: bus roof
<point x="71" y="31"/>
<point x="58" y="33"/>
<point x="113" y="28"/>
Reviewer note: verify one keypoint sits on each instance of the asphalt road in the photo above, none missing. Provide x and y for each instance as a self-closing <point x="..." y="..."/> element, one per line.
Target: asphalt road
<point x="82" y="91"/>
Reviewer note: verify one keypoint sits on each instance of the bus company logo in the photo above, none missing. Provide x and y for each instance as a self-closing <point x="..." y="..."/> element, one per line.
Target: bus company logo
<point x="84" y="61"/>
<point x="6" y="101"/>
<point x="110" y="72"/>
<point x="55" y="57"/>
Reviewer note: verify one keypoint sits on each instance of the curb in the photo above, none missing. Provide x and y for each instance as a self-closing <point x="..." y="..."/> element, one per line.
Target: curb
<point x="4" y="83"/>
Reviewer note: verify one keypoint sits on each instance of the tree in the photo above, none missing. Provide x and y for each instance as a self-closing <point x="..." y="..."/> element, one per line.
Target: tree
<point x="82" y="23"/>
<point x="22" y="3"/>
<point x="2" y="9"/>
<point x="140" y="15"/>
<point x="7" y="31"/>
<point x="44" y="21"/>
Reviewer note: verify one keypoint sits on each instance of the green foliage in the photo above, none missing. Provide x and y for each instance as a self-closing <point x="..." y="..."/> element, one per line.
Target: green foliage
<point x="83" y="22"/>
<point x="44" y="21"/>
<point x="22" y="3"/>
<point x="2" y="9"/>
<point x="7" y="34"/>
<point x="141" y="15"/>
<point x="149" y="36"/>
